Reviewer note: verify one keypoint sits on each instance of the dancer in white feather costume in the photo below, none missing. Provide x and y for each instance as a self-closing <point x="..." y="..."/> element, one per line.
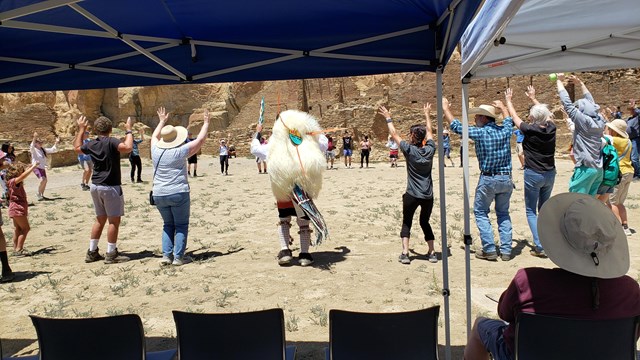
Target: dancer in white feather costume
<point x="295" y="153"/>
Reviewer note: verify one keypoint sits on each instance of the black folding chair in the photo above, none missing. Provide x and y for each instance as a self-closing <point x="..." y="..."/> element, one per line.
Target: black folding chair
<point x="257" y="335"/>
<point x="31" y="357"/>
<point x="105" y="338"/>
<point x="551" y="338"/>
<point x="383" y="336"/>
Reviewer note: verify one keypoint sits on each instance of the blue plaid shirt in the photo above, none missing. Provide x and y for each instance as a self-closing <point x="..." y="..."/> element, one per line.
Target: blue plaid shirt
<point x="493" y="146"/>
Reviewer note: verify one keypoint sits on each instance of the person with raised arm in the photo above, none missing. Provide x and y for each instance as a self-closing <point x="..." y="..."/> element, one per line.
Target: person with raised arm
<point x="106" y="181"/>
<point x="539" y="148"/>
<point x="587" y="137"/>
<point x="493" y="149"/>
<point x="419" y="160"/>
<point x="169" y="153"/>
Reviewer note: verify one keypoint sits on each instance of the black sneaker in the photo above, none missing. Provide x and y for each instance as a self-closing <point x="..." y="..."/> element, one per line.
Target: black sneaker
<point x="114" y="257"/>
<point x="93" y="256"/>
<point x="404" y="259"/>
<point x="7" y="277"/>
<point x="305" y="259"/>
<point x="139" y="181"/>
<point x="505" y="257"/>
<point x="491" y="256"/>
<point x="284" y="257"/>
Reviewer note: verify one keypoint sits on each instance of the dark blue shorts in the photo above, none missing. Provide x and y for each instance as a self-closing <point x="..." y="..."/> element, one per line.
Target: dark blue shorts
<point x="490" y="332"/>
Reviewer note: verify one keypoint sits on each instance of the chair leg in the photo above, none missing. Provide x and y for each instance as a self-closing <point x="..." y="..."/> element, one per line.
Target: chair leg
<point x="290" y="352"/>
<point x="162" y="355"/>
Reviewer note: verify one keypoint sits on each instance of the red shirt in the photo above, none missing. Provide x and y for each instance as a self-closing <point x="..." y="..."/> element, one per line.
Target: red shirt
<point x="18" y="205"/>
<point x="561" y="293"/>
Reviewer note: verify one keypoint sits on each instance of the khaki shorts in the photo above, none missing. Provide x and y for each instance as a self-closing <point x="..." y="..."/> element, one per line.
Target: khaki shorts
<point x="519" y="149"/>
<point x="107" y="200"/>
<point x="621" y="190"/>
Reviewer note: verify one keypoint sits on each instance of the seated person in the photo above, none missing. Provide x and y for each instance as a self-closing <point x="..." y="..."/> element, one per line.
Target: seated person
<point x="583" y="237"/>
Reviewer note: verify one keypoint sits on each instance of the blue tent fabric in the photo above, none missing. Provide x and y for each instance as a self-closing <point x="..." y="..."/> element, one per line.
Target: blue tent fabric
<point x="74" y="44"/>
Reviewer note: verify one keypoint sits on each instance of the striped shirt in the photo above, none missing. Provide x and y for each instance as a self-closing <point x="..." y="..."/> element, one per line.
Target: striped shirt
<point x="171" y="176"/>
<point x="493" y="146"/>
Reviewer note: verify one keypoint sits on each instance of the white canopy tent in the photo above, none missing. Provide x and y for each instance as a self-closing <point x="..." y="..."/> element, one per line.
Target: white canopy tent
<point x="522" y="37"/>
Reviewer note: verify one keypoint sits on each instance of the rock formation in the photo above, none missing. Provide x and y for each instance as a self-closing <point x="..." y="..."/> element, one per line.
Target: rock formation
<point x="345" y="102"/>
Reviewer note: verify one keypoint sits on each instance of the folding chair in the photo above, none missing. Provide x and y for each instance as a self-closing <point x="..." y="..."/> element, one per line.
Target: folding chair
<point x="106" y="338"/>
<point x="232" y="336"/>
<point x="382" y="336"/>
<point x="551" y="338"/>
<point x="31" y="357"/>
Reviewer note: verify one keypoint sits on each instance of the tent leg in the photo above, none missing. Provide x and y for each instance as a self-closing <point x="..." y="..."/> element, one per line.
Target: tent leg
<point x="465" y="197"/>
<point x="443" y="219"/>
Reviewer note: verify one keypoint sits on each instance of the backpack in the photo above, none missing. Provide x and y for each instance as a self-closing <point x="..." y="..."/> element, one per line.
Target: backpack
<point x="610" y="164"/>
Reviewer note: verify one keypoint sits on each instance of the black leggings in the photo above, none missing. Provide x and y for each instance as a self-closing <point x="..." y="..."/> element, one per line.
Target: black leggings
<point x="409" y="206"/>
<point x="364" y="154"/>
<point x="135" y="162"/>
<point x="224" y="163"/>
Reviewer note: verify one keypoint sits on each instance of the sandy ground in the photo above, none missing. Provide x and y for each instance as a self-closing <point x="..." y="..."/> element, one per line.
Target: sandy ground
<point x="233" y="237"/>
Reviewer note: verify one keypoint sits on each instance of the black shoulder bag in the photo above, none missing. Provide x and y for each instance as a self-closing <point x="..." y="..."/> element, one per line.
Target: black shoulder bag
<point x="151" y="201"/>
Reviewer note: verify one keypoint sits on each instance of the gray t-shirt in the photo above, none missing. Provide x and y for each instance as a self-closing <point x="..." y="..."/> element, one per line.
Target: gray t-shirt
<point x="171" y="176"/>
<point x="419" y="164"/>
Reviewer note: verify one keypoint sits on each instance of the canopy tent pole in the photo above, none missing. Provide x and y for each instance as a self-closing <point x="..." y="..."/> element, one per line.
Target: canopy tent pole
<point x="443" y="219"/>
<point x="465" y="196"/>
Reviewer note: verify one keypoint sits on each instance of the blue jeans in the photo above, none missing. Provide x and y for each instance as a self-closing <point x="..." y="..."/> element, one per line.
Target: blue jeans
<point x="537" y="190"/>
<point x="490" y="188"/>
<point x="175" y="210"/>
<point x="491" y="334"/>
<point x="635" y="160"/>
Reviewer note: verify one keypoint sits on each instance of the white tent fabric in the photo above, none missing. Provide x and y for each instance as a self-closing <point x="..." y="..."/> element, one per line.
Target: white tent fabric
<point x="542" y="37"/>
<point x="547" y="36"/>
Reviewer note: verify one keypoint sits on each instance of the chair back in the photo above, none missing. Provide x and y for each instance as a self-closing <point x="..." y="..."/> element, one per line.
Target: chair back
<point x="372" y="336"/>
<point x="551" y="338"/>
<point x="231" y="336"/>
<point x="105" y="338"/>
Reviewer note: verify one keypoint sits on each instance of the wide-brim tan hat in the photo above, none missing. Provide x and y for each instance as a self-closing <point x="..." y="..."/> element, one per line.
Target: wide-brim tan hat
<point x="486" y="110"/>
<point x="619" y="126"/>
<point x="581" y="234"/>
<point x="172" y="136"/>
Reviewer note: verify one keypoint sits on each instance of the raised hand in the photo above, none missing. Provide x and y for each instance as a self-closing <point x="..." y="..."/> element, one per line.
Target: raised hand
<point x="445" y="104"/>
<point x="560" y="76"/>
<point x="82" y="122"/>
<point x="427" y="108"/>
<point x="531" y="92"/>
<point x="384" y="112"/>
<point x="508" y="94"/>
<point x="206" y="116"/>
<point x="129" y="124"/>
<point x="498" y="104"/>
<point x="162" y="114"/>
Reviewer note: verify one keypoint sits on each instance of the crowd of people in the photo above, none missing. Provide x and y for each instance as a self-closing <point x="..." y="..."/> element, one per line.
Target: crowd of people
<point x="584" y="231"/>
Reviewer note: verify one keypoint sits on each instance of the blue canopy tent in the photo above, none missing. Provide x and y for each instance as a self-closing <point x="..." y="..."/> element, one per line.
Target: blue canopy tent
<point x="75" y="44"/>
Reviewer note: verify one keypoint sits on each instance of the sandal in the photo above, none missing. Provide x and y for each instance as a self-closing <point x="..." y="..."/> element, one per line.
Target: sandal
<point x="23" y="252"/>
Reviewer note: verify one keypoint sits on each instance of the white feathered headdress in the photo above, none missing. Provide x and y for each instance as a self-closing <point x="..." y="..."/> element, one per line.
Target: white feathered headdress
<point x="295" y="156"/>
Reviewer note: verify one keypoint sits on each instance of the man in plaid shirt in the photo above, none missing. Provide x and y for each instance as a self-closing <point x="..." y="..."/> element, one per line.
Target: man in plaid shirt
<point x="493" y="149"/>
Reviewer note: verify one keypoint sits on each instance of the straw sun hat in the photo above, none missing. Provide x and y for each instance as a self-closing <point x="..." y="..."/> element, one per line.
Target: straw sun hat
<point x="172" y="136"/>
<point x="486" y="110"/>
<point x="581" y="235"/>
<point x="619" y="126"/>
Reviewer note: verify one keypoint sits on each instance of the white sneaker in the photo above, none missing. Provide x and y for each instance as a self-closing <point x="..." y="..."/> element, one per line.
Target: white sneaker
<point x="39" y="196"/>
<point x="179" y="261"/>
<point x="166" y="260"/>
<point x="628" y="232"/>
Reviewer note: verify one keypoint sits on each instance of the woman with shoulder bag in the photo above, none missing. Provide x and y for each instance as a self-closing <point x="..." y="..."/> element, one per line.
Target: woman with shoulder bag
<point x="170" y="193"/>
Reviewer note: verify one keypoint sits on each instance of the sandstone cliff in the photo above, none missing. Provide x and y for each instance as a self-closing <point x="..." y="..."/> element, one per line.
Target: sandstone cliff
<point x="345" y="102"/>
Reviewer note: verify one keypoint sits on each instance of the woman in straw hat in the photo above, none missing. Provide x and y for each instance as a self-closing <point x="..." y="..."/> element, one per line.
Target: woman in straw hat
<point x="616" y="131"/>
<point x="169" y="154"/>
<point x="583" y="237"/>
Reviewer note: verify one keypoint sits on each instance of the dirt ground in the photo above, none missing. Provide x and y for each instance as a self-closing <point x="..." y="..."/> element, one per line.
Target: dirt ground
<point x="233" y="238"/>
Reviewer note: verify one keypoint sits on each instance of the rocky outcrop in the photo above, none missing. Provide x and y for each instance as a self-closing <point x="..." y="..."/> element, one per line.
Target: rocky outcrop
<point x="338" y="103"/>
